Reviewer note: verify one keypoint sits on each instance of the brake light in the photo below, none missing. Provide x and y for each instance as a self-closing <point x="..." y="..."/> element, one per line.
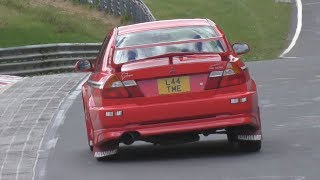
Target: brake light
<point x="133" y="88"/>
<point x="214" y="80"/>
<point x="233" y="75"/>
<point x="114" y="88"/>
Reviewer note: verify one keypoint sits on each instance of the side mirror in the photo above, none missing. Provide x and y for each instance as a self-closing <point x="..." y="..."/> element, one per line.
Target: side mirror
<point x="83" y="66"/>
<point x="241" y="48"/>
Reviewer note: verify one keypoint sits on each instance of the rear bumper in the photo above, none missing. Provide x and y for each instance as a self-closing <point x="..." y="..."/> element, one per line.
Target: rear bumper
<point x="208" y="110"/>
<point x="196" y="125"/>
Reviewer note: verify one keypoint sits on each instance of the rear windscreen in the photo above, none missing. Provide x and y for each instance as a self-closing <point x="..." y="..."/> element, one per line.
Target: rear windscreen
<point x="165" y="35"/>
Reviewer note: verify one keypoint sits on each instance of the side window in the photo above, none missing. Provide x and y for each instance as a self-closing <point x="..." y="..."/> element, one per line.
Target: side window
<point x="103" y="51"/>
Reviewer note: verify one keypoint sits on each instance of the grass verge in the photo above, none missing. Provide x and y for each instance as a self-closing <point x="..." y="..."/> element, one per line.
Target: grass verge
<point x="263" y="24"/>
<point x="25" y="22"/>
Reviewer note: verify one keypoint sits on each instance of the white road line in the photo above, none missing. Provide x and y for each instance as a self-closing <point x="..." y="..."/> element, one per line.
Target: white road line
<point x="70" y="100"/>
<point x="8" y="149"/>
<point x="298" y="29"/>
<point x="12" y="140"/>
<point x="28" y="138"/>
<point x="10" y="145"/>
<point x="30" y="132"/>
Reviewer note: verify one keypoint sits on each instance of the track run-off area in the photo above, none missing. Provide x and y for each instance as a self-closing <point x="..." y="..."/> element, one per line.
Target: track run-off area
<point x="290" y="112"/>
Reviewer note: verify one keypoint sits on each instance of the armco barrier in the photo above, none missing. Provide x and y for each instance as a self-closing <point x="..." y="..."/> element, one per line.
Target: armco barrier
<point x="44" y="59"/>
<point x="136" y="9"/>
<point x="57" y="58"/>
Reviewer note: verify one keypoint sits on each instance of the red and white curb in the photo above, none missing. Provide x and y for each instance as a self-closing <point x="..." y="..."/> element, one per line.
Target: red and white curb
<point x="6" y="81"/>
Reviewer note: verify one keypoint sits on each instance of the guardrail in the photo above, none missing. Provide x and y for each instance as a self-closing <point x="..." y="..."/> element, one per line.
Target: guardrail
<point x="136" y="9"/>
<point x="45" y="59"/>
<point x="58" y="58"/>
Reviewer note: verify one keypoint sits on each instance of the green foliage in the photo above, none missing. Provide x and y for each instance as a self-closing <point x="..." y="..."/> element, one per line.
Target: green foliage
<point x="126" y="19"/>
<point x="77" y="2"/>
<point x="23" y="24"/>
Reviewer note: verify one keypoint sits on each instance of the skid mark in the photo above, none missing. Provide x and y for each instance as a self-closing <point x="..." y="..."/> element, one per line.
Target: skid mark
<point x="317" y="99"/>
<point x="300" y="122"/>
<point x="272" y="178"/>
<point x="265" y="103"/>
<point x="298" y="104"/>
<point x="284" y="78"/>
<point x="313" y="3"/>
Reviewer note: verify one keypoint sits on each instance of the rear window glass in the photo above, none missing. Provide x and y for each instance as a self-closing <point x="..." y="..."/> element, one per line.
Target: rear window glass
<point x="123" y="56"/>
<point x="165" y="35"/>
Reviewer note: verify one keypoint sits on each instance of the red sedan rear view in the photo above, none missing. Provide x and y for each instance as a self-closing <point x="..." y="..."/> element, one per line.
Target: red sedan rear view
<point x="168" y="82"/>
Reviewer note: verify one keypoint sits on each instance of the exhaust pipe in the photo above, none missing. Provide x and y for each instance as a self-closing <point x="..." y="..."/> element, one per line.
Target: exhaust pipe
<point x="128" y="138"/>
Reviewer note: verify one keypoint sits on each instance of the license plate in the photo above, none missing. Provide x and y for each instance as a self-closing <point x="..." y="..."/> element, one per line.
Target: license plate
<point x="174" y="85"/>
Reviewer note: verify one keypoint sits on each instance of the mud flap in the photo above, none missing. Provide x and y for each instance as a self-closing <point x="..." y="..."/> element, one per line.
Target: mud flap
<point x="105" y="151"/>
<point x="250" y="136"/>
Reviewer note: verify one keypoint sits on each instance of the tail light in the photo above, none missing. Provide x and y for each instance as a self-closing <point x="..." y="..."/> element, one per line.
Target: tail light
<point x="114" y="88"/>
<point x="231" y="76"/>
<point x="234" y="75"/>
<point x="214" y="80"/>
<point x="133" y="88"/>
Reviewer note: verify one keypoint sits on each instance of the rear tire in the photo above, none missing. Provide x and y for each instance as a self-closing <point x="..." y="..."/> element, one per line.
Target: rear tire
<point x="242" y="145"/>
<point x="106" y="152"/>
<point x="249" y="146"/>
<point x="231" y="137"/>
<point x="108" y="158"/>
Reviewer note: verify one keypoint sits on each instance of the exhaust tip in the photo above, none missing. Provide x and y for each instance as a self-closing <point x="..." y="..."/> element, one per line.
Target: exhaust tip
<point x="129" y="138"/>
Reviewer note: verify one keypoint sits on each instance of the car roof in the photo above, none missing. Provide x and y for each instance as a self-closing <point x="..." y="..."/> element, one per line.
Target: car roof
<point x="162" y="25"/>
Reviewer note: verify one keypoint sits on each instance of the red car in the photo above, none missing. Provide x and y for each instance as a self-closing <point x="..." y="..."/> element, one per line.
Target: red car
<point x="167" y="82"/>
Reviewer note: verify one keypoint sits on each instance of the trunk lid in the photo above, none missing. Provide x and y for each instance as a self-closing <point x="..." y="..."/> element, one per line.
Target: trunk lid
<point x="172" y="75"/>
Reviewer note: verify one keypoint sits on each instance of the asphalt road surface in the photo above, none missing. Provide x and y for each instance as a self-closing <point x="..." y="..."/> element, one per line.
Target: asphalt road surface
<point x="289" y="91"/>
